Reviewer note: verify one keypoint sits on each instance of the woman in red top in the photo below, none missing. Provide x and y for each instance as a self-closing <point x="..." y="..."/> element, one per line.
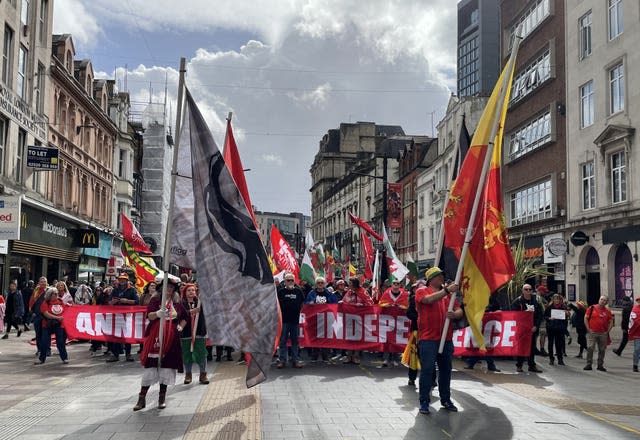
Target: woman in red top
<point x="175" y="317"/>
<point x="51" y="309"/>
<point x="356" y="296"/>
<point x="394" y="296"/>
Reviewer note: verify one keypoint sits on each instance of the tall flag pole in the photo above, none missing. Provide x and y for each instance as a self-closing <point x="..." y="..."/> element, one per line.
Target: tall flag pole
<point x="460" y="214"/>
<point x="169" y="229"/>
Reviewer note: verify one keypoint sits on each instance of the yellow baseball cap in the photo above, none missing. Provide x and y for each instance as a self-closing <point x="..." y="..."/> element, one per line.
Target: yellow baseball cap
<point x="432" y="272"/>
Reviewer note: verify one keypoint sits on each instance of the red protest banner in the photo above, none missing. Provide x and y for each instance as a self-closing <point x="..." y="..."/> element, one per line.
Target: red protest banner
<point x="379" y="329"/>
<point x="124" y="324"/>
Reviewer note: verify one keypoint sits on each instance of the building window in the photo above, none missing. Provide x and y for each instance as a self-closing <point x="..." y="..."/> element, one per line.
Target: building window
<point x="615" y="18"/>
<point x="7" y="55"/>
<point x="22" y="145"/>
<point x="35" y="176"/>
<point x="421" y="241"/>
<point x="585" y="35"/>
<point x="586" y="105"/>
<point x="421" y="206"/>
<point x="588" y="186"/>
<point x="4" y="130"/>
<point x="432" y="239"/>
<point x="24" y="13"/>
<point x="533" y="135"/>
<point x="531" y="204"/>
<point x="531" y="77"/>
<point x="529" y="20"/>
<point x="39" y="90"/>
<point x="618" y="177"/>
<point x="616" y="88"/>
<point x="21" y="86"/>
<point x="42" y="21"/>
<point x="122" y="164"/>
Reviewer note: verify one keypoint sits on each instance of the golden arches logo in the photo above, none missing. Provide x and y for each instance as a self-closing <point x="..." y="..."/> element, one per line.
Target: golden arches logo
<point x="89" y="238"/>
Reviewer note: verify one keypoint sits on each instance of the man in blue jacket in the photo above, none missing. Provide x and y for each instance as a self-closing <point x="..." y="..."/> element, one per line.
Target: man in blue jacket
<point x="123" y="295"/>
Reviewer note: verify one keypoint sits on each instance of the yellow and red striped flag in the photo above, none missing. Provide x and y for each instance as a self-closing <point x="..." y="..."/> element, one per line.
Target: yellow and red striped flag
<point x="488" y="264"/>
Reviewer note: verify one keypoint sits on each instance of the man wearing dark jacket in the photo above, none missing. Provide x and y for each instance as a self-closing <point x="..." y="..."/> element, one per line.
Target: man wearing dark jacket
<point x="527" y="302"/>
<point x="14" y="310"/>
<point x="291" y="300"/>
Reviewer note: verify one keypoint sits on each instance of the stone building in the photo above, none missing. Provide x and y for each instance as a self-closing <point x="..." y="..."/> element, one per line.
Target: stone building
<point x="603" y="111"/>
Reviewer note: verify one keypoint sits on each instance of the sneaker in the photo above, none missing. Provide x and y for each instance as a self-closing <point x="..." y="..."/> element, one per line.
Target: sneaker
<point x="561" y="362"/>
<point x="424" y="408"/>
<point x="587" y="368"/>
<point x="551" y="361"/>
<point x="19" y="332"/>
<point x="468" y="367"/>
<point x="280" y="365"/>
<point x="412" y="383"/>
<point x="535" y="369"/>
<point x="449" y="406"/>
<point x="384" y="364"/>
<point x="601" y="368"/>
<point x="519" y="368"/>
<point x="65" y="361"/>
<point x="38" y="363"/>
<point x="396" y="364"/>
<point x="297" y="364"/>
<point x="6" y="336"/>
<point x="494" y="369"/>
<point x="543" y="352"/>
<point x="113" y="359"/>
<point x="129" y="358"/>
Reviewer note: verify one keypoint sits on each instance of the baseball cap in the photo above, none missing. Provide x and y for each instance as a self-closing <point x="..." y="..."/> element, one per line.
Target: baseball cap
<point x="432" y="272"/>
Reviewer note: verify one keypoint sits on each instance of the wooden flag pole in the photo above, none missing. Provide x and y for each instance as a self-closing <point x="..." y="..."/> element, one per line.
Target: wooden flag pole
<point x="483" y="177"/>
<point x="169" y="228"/>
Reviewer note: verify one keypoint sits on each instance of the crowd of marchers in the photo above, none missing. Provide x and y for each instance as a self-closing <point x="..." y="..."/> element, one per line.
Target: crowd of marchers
<point x="425" y="303"/>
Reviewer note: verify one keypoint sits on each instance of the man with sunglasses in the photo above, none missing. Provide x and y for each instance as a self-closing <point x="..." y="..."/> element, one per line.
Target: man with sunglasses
<point x="527" y="302"/>
<point x="291" y="299"/>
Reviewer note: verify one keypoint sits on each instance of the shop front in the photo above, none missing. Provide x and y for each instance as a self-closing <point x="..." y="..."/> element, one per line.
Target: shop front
<point x="46" y="248"/>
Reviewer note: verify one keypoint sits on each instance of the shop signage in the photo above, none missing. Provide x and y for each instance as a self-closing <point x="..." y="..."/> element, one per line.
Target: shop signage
<point x="42" y="158"/>
<point x="20" y="111"/>
<point x="394" y="205"/>
<point x="4" y="247"/>
<point x="43" y="228"/>
<point x="10" y="218"/>
<point x="86" y="238"/>
<point x="579" y="238"/>
<point x="103" y="250"/>
<point x="555" y="248"/>
<point x="91" y="266"/>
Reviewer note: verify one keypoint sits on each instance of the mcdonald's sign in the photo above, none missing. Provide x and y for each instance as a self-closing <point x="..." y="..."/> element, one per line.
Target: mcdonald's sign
<point x="86" y="238"/>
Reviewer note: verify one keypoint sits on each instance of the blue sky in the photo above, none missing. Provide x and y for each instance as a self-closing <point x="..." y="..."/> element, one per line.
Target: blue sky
<point x="289" y="70"/>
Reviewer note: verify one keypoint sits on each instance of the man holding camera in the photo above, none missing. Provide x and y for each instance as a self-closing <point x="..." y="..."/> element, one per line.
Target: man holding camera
<point x="432" y="302"/>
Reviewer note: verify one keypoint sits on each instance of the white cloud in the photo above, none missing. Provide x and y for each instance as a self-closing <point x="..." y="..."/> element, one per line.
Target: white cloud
<point x="71" y="16"/>
<point x="312" y="65"/>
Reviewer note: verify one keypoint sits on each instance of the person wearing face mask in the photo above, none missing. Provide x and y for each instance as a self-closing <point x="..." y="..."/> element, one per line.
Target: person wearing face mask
<point x="291" y="299"/>
<point x="123" y="295"/>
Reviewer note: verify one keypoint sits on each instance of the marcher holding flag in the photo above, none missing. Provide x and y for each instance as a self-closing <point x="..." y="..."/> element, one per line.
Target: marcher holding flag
<point x="194" y="334"/>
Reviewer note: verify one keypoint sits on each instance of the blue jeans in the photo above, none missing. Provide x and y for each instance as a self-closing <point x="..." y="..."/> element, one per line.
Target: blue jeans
<point x="636" y="352"/>
<point x="61" y="339"/>
<point x="289" y="331"/>
<point x="428" y="351"/>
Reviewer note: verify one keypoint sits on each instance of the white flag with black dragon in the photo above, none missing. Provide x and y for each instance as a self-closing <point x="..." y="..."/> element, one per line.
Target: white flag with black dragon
<point x="238" y="293"/>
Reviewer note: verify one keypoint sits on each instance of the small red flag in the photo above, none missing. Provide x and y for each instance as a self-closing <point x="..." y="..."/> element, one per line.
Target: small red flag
<point x="132" y="236"/>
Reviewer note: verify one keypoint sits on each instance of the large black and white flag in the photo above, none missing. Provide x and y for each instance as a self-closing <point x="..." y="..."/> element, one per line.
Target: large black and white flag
<point x="236" y="284"/>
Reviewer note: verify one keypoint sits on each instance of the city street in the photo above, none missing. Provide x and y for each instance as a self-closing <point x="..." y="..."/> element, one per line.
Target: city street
<point x="89" y="399"/>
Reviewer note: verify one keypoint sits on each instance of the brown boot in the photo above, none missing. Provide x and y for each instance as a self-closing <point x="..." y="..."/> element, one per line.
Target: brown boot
<point x="203" y="378"/>
<point x="187" y="378"/>
<point x="142" y="402"/>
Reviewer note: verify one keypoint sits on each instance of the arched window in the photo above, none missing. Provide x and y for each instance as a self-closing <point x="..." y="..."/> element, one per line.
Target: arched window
<point x="69" y="62"/>
<point x="623" y="273"/>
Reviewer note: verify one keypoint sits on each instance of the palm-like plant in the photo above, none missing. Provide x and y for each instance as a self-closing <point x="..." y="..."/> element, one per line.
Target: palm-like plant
<point x="525" y="269"/>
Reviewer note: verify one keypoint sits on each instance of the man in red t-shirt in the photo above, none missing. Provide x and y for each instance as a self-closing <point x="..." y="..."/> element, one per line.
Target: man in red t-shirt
<point x="598" y="320"/>
<point x="432" y="302"/>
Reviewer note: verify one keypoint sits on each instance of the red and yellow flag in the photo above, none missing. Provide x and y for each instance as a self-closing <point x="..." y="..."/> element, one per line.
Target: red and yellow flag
<point x="488" y="264"/>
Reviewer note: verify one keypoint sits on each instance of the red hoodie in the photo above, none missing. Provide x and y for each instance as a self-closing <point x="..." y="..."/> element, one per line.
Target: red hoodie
<point x="634" y="322"/>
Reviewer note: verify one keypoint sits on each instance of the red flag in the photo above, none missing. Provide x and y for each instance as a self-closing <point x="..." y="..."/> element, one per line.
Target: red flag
<point x="283" y="255"/>
<point x="364" y="225"/>
<point x="367" y="250"/>
<point x="234" y="164"/>
<point x="132" y="236"/>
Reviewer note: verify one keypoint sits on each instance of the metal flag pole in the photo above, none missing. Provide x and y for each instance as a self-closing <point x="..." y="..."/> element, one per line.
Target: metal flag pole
<point x="169" y="229"/>
<point x="495" y="126"/>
